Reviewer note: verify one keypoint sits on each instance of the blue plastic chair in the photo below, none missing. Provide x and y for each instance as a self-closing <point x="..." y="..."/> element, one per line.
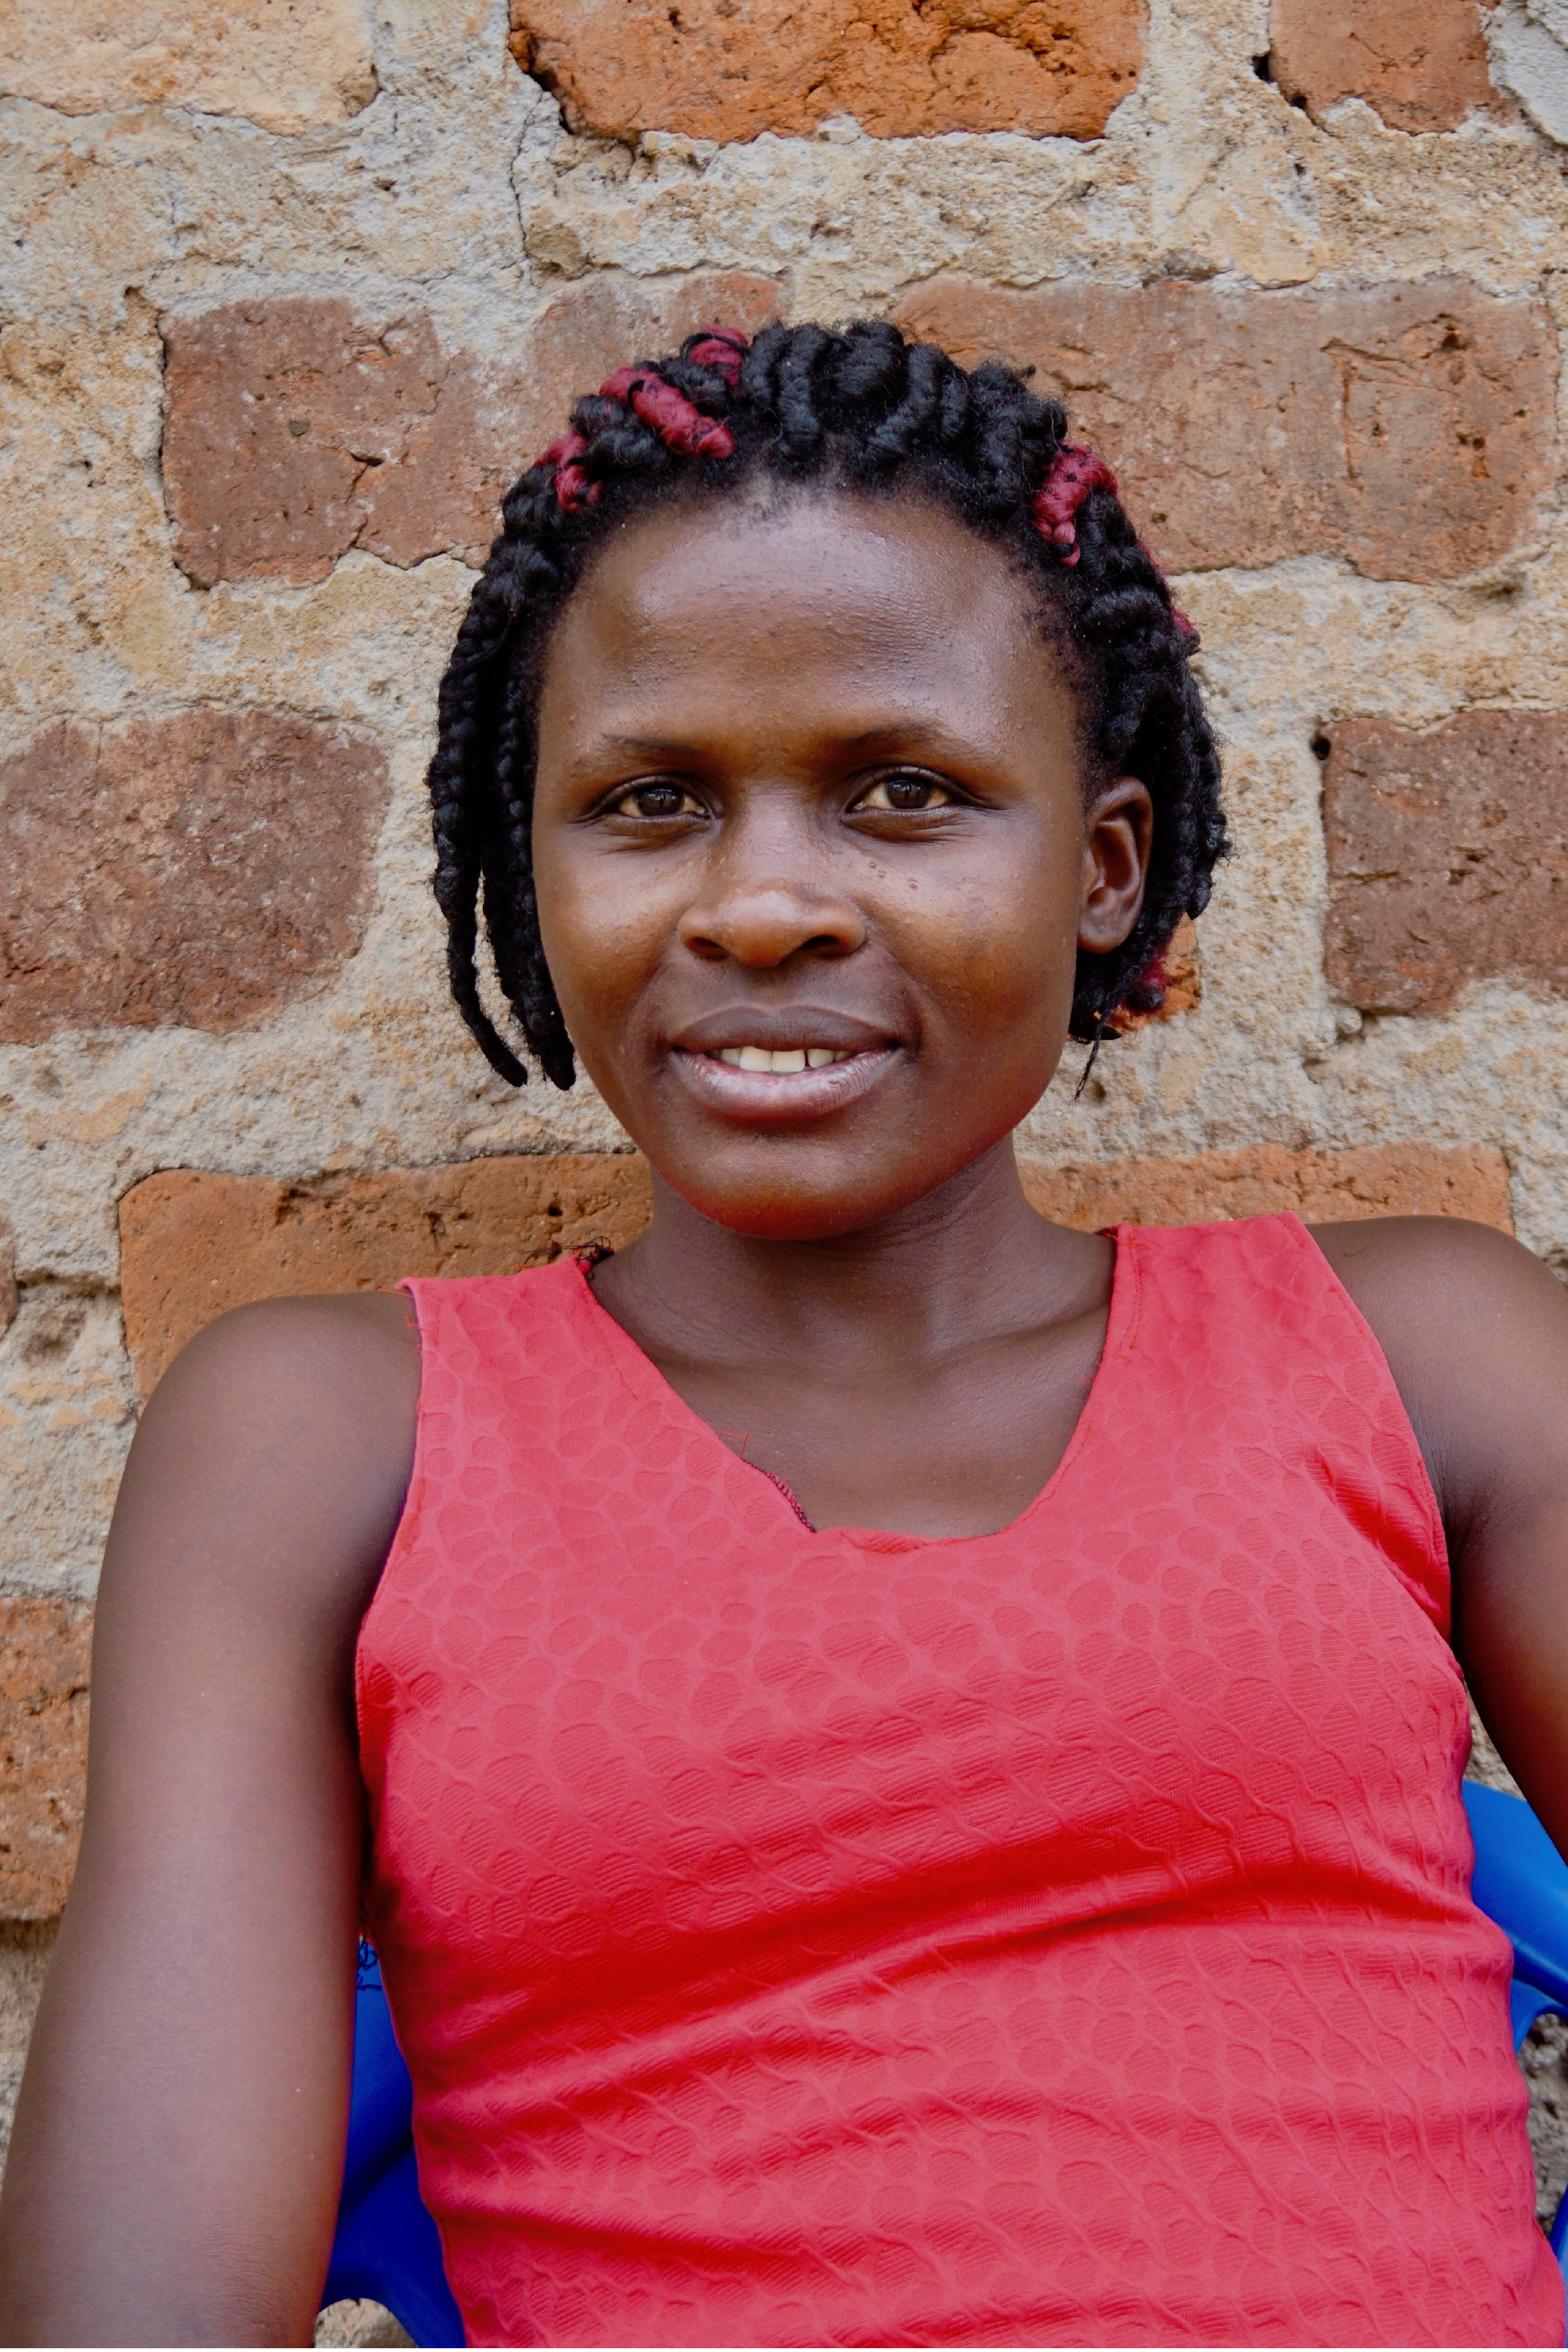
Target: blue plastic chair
<point x="387" y="2247"/>
<point x="1522" y="1882"/>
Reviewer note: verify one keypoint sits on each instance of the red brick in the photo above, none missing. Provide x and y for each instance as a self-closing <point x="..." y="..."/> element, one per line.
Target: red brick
<point x="44" y="1651"/>
<point x="194" y="1243"/>
<point x="1420" y="64"/>
<point x="202" y="867"/>
<point x="711" y="70"/>
<point x="274" y="412"/>
<point x="1385" y="1179"/>
<point x="1448" y="858"/>
<point x="295" y="430"/>
<point x="1409" y="428"/>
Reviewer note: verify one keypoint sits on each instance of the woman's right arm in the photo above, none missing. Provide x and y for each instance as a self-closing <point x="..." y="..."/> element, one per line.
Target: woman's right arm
<point x="179" y="2141"/>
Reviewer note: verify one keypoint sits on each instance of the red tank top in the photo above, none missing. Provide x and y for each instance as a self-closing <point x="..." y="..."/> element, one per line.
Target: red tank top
<point x="1059" y="1936"/>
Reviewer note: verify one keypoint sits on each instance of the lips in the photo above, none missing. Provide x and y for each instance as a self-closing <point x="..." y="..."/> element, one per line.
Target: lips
<point x="782" y="1029"/>
<point x="784" y="1067"/>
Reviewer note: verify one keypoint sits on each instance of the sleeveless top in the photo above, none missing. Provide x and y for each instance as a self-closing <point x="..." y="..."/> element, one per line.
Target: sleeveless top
<point x="836" y="1937"/>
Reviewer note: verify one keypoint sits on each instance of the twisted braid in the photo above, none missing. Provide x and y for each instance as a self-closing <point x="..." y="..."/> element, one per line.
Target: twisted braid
<point x="866" y="410"/>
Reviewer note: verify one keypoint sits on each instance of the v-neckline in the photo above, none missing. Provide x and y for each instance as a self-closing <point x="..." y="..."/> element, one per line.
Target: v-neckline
<point x="643" y="1378"/>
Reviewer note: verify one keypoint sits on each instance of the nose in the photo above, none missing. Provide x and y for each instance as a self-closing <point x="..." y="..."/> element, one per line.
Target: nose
<point x="760" y="904"/>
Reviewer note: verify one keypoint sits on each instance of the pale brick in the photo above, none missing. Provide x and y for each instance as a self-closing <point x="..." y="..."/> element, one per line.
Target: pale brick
<point x="1420" y="64"/>
<point x="1384" y="1180"/>
<point x="194" y="1243"/>
<point x="902" y="68"/>
<point x="1408" y="429"/>
<point x="295" y="429"/>
<point x="1448" y="858"/>
<point x="44" y="1651"/>
<point x="288" y="65"/>
<point x="201" y="868"/>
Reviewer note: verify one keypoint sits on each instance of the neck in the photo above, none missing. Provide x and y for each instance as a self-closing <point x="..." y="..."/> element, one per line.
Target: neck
<point x="965" y="1263"/>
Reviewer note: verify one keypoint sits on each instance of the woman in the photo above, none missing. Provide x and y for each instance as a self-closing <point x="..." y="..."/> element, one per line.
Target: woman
<point x="910" y="1757"/>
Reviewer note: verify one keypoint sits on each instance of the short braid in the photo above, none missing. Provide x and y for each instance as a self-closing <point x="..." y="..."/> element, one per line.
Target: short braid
<point x="864" y="409"/>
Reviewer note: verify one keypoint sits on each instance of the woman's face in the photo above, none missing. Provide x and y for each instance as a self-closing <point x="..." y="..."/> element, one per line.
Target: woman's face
<point x="814" y="853"/>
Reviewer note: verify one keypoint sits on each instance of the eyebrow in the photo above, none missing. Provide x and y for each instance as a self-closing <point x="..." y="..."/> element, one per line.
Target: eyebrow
<point x="908" y="731"/>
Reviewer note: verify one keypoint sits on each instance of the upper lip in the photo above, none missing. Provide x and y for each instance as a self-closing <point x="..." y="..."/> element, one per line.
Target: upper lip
<point x="780" y="1030"/>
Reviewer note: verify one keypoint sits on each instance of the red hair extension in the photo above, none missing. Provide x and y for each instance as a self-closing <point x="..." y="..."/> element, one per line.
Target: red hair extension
<point x="722" y="350"/>
<point x="681" y="428"/>
<point x="1073" y="472"/>
<point x="573" y="488"/>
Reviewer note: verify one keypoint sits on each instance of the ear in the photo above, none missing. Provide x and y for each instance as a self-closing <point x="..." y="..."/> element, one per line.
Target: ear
<point x="1119" y="832"/>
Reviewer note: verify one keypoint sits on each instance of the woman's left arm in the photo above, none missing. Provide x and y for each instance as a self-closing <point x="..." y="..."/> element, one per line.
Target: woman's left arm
<point x="1476" y="1333"/>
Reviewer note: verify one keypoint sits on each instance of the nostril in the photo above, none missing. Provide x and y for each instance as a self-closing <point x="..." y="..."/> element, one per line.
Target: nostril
<point x="772" y="926"/>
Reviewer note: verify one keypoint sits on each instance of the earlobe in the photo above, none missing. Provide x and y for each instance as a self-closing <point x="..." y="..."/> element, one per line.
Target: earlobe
<point x="1117" y="836"/>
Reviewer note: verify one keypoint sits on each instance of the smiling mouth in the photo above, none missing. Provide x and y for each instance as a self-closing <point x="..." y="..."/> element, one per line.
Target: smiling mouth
<point x="768" y="1086"/>
<point x="780" y="1062"/>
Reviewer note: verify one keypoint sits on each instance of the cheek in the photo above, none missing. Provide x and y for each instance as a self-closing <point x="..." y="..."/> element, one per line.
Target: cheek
<point x="998" y="945"/>
<point x="603" y="926"/>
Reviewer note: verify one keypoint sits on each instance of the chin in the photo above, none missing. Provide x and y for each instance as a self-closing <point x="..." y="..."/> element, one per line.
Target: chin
<point x="769" y="1202"/>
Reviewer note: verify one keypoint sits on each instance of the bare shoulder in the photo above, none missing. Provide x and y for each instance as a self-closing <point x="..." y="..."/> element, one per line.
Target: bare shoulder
<point x="300" y="1342"/>
<point x="1474" y="1329"/>
<point x="1420" y="1279"/>
<point x="274" y="1456"/>
<point x="1429" y="1264"/>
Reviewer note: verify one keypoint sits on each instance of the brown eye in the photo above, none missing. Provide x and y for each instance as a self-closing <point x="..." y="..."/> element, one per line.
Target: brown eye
<point x="655" y="800"/>
<point x="905" y="795"/>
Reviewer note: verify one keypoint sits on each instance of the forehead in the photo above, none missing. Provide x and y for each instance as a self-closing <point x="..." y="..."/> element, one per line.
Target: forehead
<point x="831" y="606"/>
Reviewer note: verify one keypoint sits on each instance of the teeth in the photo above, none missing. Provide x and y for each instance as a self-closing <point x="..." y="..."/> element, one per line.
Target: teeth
<point x="788" y="1059"/>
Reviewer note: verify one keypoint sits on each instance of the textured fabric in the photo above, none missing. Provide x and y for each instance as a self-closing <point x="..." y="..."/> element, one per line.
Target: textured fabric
<point x="1055" y="1936"/>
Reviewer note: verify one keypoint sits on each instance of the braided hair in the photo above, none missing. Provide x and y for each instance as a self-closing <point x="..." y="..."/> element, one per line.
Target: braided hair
<point x="866" y="411"/>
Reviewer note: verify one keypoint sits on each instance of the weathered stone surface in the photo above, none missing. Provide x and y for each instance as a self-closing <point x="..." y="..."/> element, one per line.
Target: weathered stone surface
<point x="44" y="1650"/>
<point x="26" y="1947"/>
<point x="1421" y="64"/>
<point x="1528" y="44"/>
<point x="200" y="868"/>
<point x="1448" y="858"/>
<point x="295" y="430"/>
<point x="1385" y="1179"/>
<point x="194" y="1243"/>
<point x="288" y="65"/>
<point x="713" y="70"/>
<point x="7" y="1273"/>
<point x="360" y="2323"/>
<point x="1409" y="428"/>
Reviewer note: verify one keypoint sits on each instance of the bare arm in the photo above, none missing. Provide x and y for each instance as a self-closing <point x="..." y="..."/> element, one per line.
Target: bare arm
<point x="1476" y="1333"/>
<point x="179" y="2140"/>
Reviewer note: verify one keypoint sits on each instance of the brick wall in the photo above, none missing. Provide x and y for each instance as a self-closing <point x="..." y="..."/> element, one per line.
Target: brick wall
<point x="290" y="301"/>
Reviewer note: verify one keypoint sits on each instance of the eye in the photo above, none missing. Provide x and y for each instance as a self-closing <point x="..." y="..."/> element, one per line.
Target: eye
<point x="655" y="800"/>
<point x="905" y="795"/>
